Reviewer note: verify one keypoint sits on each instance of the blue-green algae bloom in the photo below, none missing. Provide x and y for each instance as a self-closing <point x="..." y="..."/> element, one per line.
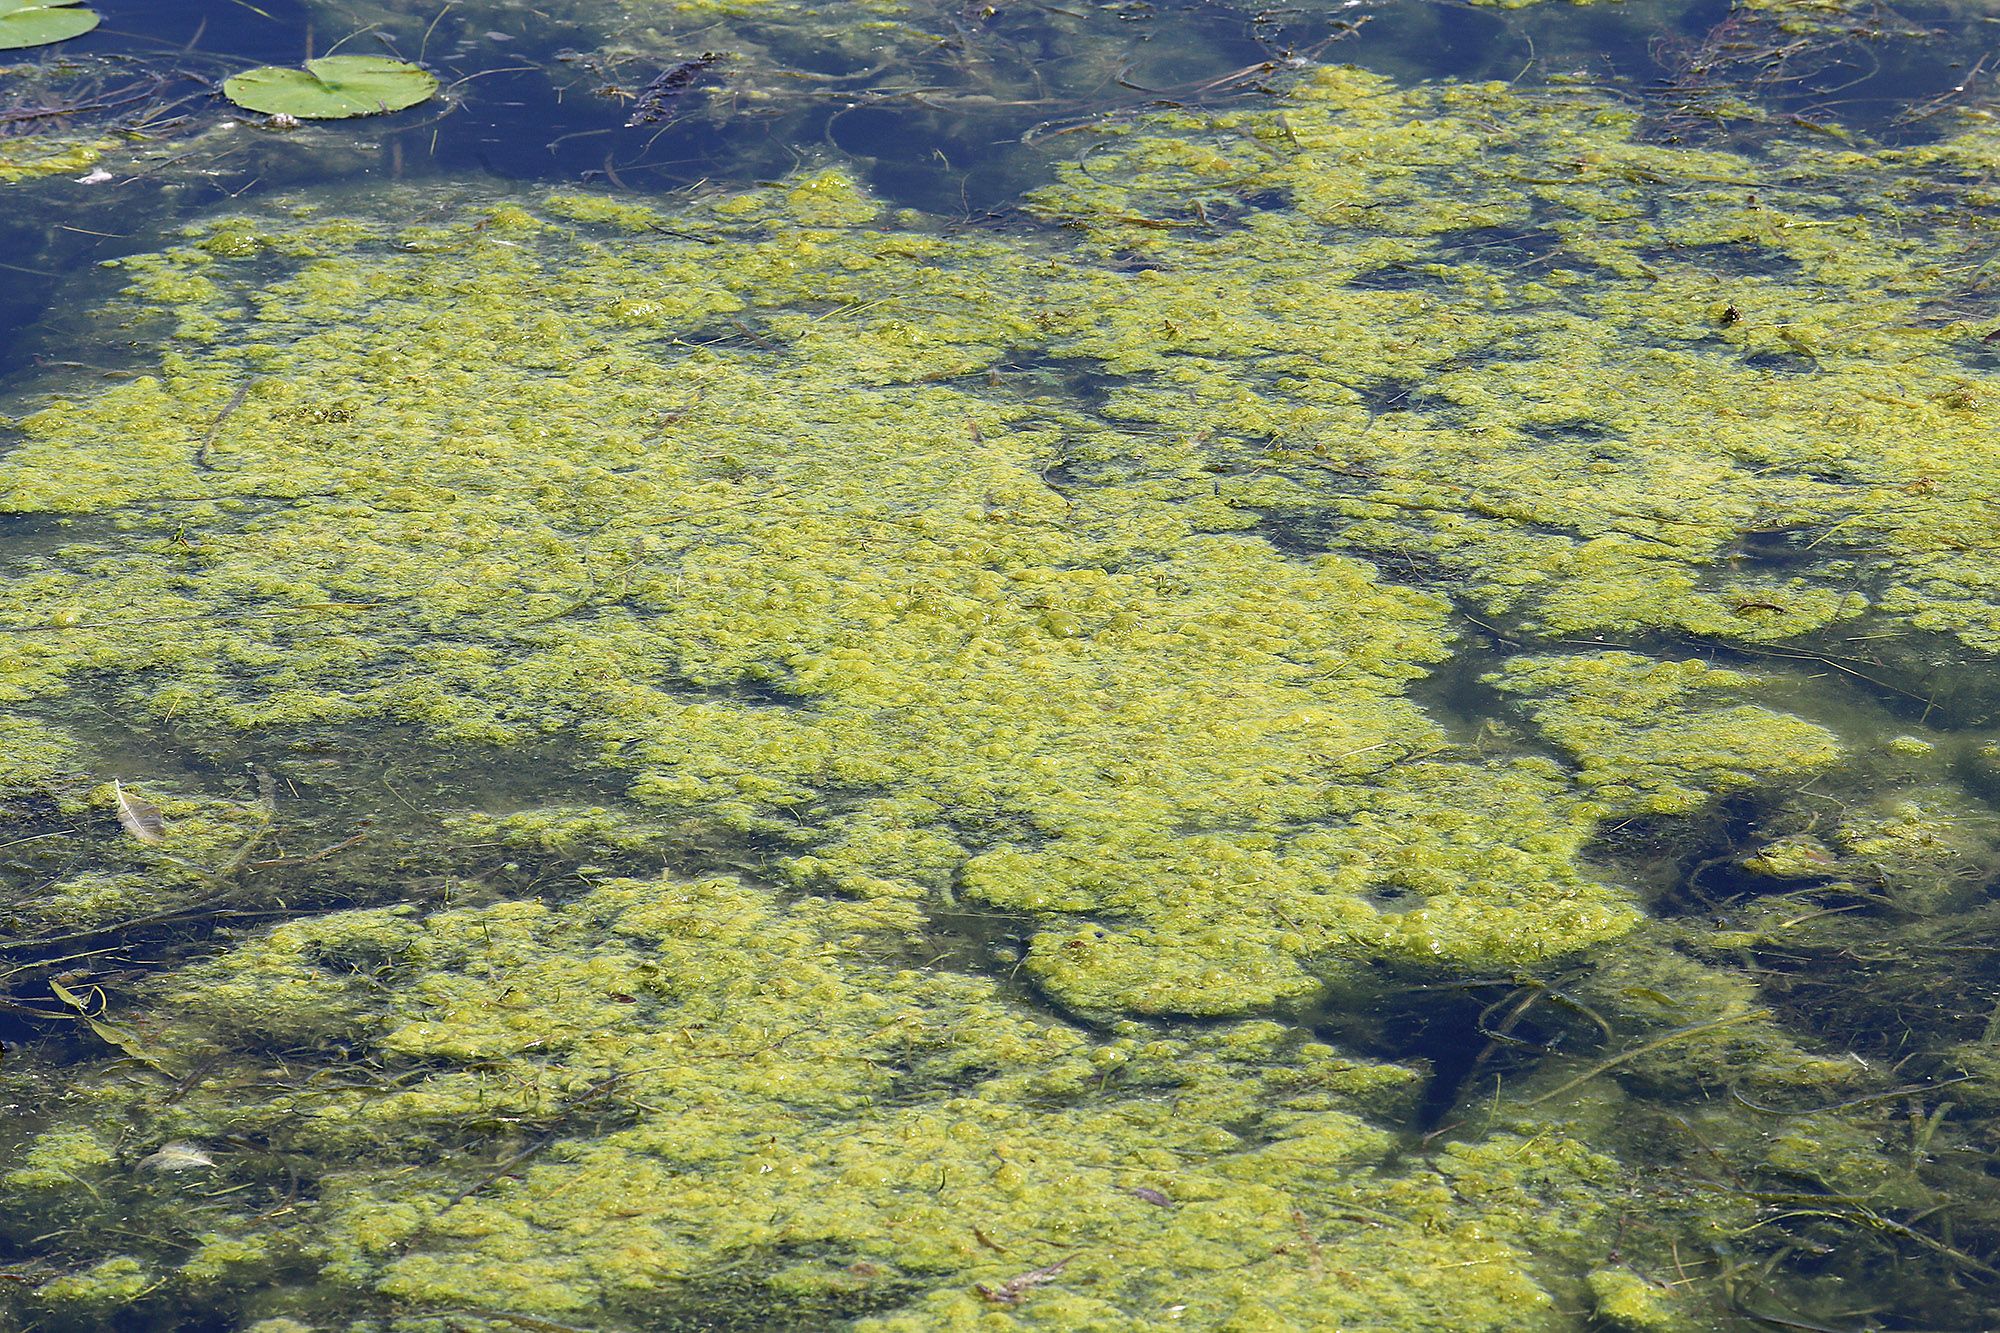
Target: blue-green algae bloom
<point x="980" y="739"/>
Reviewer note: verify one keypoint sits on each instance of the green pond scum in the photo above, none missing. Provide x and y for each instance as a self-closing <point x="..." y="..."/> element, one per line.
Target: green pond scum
<point x="1371" y="708"/>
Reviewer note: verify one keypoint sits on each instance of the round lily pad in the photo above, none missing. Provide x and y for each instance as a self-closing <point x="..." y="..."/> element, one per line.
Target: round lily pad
<point x="39" y="22"/>
<point x="332" y="87"/>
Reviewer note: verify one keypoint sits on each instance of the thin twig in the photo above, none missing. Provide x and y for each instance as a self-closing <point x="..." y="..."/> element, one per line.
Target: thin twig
<point x="235" y="401"/>
<point x="1665" y="1039"/>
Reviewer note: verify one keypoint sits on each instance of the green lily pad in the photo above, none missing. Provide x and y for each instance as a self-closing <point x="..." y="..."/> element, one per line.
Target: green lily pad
<point x="332" y="87"/>
<point x="39" y="22"/>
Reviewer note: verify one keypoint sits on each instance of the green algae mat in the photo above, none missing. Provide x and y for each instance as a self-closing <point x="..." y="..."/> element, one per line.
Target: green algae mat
<point x="1367" y="703"/>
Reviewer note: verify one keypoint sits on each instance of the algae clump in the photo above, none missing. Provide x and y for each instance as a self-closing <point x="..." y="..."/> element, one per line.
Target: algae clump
<point x="809" y="590"/>
<point x="707" y="1100"/>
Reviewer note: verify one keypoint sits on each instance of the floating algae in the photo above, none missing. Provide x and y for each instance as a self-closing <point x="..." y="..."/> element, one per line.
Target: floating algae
<point x="1088" y="582"/>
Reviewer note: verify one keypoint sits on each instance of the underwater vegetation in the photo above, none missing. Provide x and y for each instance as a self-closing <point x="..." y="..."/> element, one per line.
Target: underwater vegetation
<point x="1357" y="721"/>
<point x="977" y="73"/>
<point x="60" y="118"/>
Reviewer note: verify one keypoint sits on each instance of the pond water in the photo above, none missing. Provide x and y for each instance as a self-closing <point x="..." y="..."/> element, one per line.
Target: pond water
<point x="903" y="665"/>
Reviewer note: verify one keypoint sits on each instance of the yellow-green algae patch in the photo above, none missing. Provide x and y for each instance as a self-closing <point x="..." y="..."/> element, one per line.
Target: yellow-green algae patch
<point x="684" y="1093"/>
<point x="1605" y="385"/>
<point x="768" y="580"/>
<point x="36" y="755"/>
<point x="24" y="158"/>
<point x="1626" y="722"/>
<point x="185" y="863"/>
<point x="959" y="574"/>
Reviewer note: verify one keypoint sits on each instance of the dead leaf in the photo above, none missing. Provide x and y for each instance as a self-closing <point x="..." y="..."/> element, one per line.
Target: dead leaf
<point x="138" y="816"/>
<point x="72" y="999"/>
<point x="1019" y="1287"/>
<point x="108" y="1032"/>
<point x="175" y="1156"/>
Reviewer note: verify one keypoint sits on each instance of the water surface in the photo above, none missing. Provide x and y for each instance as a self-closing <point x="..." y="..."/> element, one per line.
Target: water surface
<point x="1024" y="665"/>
